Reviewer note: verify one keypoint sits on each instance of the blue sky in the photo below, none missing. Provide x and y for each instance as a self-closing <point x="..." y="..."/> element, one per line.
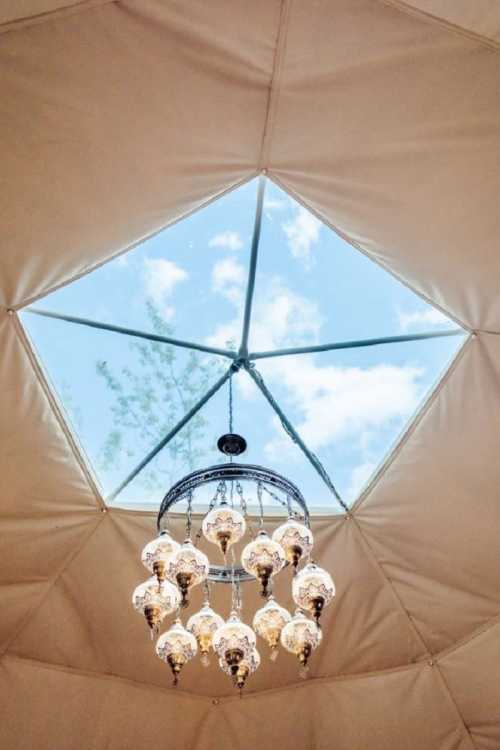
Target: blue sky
<point x="311" y="287"/>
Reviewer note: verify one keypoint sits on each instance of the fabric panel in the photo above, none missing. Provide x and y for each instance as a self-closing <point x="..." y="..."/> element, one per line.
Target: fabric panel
<point x="135" y="113"/>
<point x="69" y="711"/>
<point x="403" y="710"/>
<point x="38" y="469"/>
<point x="409" y="176"/>
<point x="481" y="17"/>
<point x="34" y="550"/>
<point x="472" y="672"/>
<point x="15" y="10"/>
<point x="433" y="517"/>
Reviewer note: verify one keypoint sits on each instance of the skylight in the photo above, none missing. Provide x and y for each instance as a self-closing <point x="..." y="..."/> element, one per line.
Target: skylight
<point x="343" y="406"/>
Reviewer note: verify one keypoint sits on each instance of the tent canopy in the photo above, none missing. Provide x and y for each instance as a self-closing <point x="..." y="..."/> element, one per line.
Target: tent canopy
<point x="383" y="118"/>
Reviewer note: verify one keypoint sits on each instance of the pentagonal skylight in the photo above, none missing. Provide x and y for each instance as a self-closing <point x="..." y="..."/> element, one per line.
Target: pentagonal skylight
<point x="309" y="290"/>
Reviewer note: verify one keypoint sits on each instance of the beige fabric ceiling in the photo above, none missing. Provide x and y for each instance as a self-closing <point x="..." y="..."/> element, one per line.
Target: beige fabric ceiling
<point x="384" y="118"/>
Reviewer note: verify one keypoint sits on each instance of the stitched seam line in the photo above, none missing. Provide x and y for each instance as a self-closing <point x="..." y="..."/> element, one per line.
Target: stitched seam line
<point x="51" y="583"/>
<point x="223" y="699"/>
<point x="275" y="82"/>
<point x="371" y="555"/>
<point x="454" y="706"/>
<point x="476" y="633"/>
<point x="51" y="15"/>
<point x="452" y="28"/>
<point x="103" y="676"/>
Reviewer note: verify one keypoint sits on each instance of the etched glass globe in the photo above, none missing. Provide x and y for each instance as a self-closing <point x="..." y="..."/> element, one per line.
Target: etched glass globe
<point x="233" y="641"/>
<point x="248" y="665"/>
<point x="268" y="623"/>
<point x="301" y="636"/>
<point x="203" y="625"/>
<point x="157" y="553"/>
<point x="313" y="589"/>
<point x="155" y="601"/>
<point x="296" y="540"/>
<point x="223" y="526"/>
<point x="263" y="558"/>
<point x="176" y="647"/>
<point x="187" y="567"/>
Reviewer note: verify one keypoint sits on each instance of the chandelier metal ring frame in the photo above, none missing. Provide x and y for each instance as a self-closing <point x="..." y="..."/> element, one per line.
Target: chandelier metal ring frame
<point x="232" y="472"/>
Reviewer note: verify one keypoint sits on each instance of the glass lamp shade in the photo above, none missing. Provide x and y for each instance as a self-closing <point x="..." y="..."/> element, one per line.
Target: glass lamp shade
<point x="233" y="642"/>
<point x="223" y="526"/>
<point x="247" y="666"/>
<point x="263" y="558"/>
<point x="187" y="567"/>
<point x="155" y="601"/>
<point x="203" y="625"/>
<point x="176" y="647"/>
<point x="296" y="540"/>
<point x="268" y="623"/>
<point x="313" y="589"/>
<point x="301" y="636"/>
<point x="157" y="553"/>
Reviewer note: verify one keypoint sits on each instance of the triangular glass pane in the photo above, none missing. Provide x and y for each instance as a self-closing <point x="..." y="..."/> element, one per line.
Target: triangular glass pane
<point x="122" y="394"/>
<point x="194" y="273"/>
<point x="350" y="406"/>
<point x="253" y="418"/>
<point x="312" y="287"/>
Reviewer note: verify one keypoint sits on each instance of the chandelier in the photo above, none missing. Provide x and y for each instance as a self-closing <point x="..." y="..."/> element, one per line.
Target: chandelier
<point x="176" y="566"/>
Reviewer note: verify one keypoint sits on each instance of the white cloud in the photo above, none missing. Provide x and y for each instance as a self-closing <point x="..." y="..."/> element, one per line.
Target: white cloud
<point x="275" y="204"/>
<point x="359" y="477"/>
<point x="279" y="317"/>
<point x="302" y="233"/>
<point x="429" y="317"/>
<point x="160" y="278"/>
<point x="282" y="317"/>
<point x="227" y="240"/>
<point x="228" y="279"/>
<point x="334" y="403"/>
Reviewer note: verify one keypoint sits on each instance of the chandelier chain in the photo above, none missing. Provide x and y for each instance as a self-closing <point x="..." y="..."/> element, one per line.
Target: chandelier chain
<point x="211" y="505"/>
<point x="189" y="515"/>
<point x="231" y="415"/>
<point x="285" y="504"/>
<point x="244" y="508"/>
<point x="261" y="505"/>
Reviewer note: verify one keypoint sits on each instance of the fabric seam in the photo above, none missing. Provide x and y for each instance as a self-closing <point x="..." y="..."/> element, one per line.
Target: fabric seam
<point x="222" y="699"/>
<point x="452" y="28"/>
<point x="24" y="622"/>
<point x="463" y="642"/>
<point x="454" y="706"/>
<point x="418" y="664"/>
<point x="51" y="15"/>
<point x="377" y="565"/>
<point x="274" y="86"/>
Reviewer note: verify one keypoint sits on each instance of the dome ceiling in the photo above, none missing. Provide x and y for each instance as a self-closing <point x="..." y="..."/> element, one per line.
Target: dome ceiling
<point x="382" y="118"/>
